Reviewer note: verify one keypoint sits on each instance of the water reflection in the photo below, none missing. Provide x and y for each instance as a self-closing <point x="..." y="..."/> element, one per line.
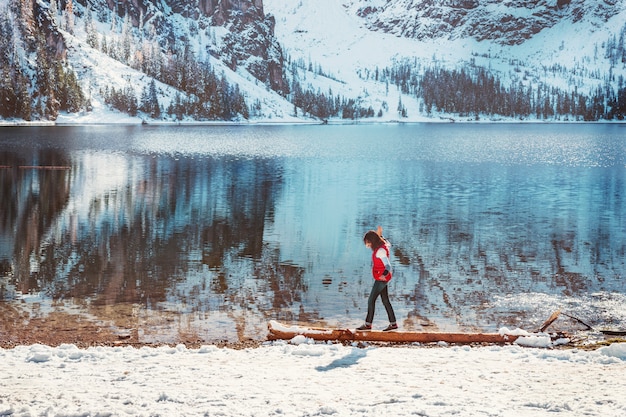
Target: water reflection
<point x="211" y="232"/>
<point x="142" y="231"/>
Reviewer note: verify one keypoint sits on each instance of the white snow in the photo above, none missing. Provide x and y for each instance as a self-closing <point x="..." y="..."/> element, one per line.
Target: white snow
<point x="303" y="378"/>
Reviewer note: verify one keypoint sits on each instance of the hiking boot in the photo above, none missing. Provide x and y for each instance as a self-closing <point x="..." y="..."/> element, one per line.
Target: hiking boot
<point x="391" y="327"/>
<point x="364" y="327"/>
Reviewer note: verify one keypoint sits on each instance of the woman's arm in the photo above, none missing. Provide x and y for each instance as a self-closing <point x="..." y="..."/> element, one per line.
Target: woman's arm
<point x="381" y="253"/>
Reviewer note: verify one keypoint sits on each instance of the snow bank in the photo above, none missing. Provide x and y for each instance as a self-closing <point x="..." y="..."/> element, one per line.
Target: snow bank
<point x="538" y="340"/>
<point x="305" y="378"/>
<point x="616" y="350"/>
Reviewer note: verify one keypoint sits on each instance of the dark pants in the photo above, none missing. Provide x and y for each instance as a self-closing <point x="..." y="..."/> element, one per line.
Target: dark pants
<point x="379" y="288"/>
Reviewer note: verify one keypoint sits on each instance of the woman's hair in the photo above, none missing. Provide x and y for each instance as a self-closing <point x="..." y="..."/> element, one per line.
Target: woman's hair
<point x="372" y="237"/>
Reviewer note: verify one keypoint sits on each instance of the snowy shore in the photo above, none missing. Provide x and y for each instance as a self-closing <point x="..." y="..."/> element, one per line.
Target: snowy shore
<point x="302" y="378"/>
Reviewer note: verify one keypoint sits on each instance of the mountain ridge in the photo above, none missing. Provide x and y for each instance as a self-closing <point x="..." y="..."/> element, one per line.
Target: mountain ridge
<point x="510" y="22"/>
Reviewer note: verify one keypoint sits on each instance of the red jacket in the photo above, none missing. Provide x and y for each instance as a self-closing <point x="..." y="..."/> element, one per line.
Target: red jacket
<point x="378" y="267"/>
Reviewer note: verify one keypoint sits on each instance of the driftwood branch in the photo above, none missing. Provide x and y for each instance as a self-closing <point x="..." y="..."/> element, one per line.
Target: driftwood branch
<point x="550" y="320"/>
<point x="588" y="327"/>
<point x="606" y="332"/>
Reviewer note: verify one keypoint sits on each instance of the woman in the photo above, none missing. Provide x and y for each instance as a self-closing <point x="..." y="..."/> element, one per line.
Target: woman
<point x="381" y="271"/>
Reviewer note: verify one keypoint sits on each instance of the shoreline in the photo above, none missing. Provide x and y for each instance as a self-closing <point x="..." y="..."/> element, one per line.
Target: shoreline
<point x="135" y="121"/>
<point x="85" y="334"/>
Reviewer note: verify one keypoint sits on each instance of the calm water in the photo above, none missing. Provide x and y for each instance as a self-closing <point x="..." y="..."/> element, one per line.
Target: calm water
<point x="216" y="230"/>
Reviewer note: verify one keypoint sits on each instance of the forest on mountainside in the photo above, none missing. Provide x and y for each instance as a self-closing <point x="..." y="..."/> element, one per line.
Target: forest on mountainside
<point x="475" y="91"/>
<point x="34" y="83"/>
<point x="37" y="83"/>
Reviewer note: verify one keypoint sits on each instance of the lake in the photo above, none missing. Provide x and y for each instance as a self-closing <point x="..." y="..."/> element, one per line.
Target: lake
<point x="215" y="230"/>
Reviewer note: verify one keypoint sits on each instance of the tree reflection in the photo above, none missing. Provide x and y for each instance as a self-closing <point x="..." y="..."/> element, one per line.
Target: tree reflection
<point x="33" y="190"/>
<point x="178" y="232"/>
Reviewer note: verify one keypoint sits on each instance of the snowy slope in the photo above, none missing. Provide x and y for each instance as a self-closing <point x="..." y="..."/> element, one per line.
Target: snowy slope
<point x="97" y="71"/>
<point x="324" y="33"/>
<point x="329" y="33"/>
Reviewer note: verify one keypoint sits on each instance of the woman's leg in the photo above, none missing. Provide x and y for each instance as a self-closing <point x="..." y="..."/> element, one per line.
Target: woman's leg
<point x="384" y="296"/>
<point x="377" y="289"/>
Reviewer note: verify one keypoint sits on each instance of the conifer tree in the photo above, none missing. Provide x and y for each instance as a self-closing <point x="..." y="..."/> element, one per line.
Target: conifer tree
<point x="90" y="29"/>
<point x="150" y="101"/>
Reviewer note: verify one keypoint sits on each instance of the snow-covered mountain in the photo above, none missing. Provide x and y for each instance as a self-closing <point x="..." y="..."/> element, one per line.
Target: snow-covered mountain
<point x="332" y="59"/>
<point x="573" y="45"/>
<point x="509" y="22"/>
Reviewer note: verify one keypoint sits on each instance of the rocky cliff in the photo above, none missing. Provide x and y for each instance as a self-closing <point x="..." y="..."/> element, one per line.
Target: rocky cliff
<point x="507" y="22"/>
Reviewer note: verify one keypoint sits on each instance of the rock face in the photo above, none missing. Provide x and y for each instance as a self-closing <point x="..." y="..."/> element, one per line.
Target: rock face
<point x="508" y="22"/>
<point x="220" y="10"/>
<point x="251" y="44"/>
<point x="36" y="18"/>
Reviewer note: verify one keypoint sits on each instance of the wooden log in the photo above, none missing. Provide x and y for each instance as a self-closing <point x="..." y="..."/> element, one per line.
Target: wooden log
<point x="285" y="332"/>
